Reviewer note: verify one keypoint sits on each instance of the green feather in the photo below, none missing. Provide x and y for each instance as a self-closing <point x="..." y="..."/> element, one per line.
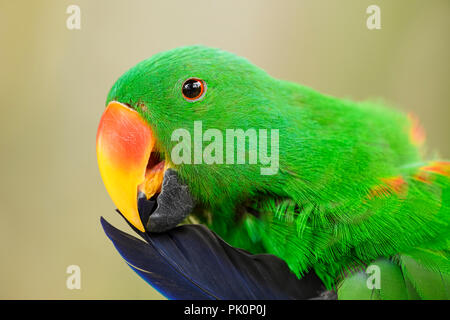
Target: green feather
<point x="429" y="284"/>
<point x="411" y="291"/>
<point x="393" y="285"/>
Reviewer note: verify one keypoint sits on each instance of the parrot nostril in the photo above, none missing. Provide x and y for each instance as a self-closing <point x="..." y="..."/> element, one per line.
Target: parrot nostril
<point x="126" y="104"/>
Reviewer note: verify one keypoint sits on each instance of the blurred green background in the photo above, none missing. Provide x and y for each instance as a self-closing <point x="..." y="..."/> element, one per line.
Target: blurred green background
<point x="54" y="81"/>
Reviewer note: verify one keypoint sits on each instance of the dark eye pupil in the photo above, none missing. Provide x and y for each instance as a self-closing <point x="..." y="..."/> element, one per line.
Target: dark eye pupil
<point x="192" y="88"/>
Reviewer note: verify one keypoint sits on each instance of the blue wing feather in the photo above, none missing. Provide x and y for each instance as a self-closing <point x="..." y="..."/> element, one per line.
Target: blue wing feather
<point x="151" y="266"/>
<point x="192" y="262"/>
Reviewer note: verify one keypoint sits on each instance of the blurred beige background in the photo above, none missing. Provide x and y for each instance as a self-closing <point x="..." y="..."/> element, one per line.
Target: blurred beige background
<point x="54" y="81"/>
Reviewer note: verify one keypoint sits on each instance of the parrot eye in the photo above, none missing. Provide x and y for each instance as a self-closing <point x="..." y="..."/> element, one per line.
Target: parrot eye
<point x="193" y="89"/>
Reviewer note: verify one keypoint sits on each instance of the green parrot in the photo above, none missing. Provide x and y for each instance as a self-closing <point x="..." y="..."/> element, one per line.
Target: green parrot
<point x="348" y="194"/>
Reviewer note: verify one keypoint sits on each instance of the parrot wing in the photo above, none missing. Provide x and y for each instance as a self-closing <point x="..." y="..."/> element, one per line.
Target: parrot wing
<point x="192" y="262"/>
<point x="420" y="274"/>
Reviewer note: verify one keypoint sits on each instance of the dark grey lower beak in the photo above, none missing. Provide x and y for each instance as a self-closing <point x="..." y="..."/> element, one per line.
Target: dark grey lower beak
<point x="169" y="208"/>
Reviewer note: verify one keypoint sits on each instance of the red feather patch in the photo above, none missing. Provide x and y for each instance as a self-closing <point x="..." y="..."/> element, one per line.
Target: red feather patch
<point x="416" y="132"/>
<point x="393" y="185"/>
<point x="439" y="167"/>
<point x="436" y="167"/>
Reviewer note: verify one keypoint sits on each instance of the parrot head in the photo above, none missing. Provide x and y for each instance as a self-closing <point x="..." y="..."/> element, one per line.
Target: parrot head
<point x="192" y="89"/>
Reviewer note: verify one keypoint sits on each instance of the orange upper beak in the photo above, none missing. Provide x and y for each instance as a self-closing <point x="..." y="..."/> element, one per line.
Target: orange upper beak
<point x="124" y="145"/>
